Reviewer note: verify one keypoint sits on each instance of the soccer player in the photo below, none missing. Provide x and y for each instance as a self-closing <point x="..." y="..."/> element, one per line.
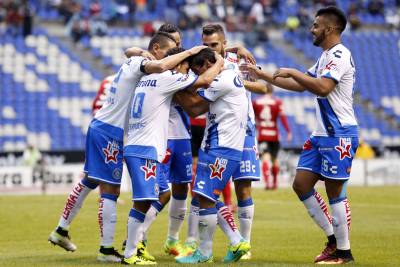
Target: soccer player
<point x="268" y="109"/>
<point x="177" y="169"/>
<point x="147" y="141"/>
<point x="103" y="162"/>
<point x="177" y="172"/>
<point x="221" y="150"/>
<point x="101" y="96"/>
<point x="213" y="36"/>
<point x="329" y="152"/>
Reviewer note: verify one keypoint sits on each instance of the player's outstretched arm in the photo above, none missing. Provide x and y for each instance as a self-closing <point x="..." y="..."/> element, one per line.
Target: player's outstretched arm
<point x="167" y="63"/>
<point x="242" y="52"/>
<point x="193" y="104"/>
<point x="206" y="78"/>
<point x="137" y="51"/>
<point x="286" y="83"/>
<point x="255" y="87"/>
<point x="318" y="86"/>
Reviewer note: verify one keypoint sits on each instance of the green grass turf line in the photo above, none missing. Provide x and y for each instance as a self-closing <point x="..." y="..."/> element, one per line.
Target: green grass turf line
<point x="283" y="233"/>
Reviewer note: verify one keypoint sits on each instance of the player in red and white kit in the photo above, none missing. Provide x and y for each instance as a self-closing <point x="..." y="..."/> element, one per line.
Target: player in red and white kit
<point x="102" y="93"/>
<point x="268" y="109"/>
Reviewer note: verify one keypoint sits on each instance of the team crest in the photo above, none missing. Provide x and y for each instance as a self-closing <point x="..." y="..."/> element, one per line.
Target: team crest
<point x="218" y="168"/>
<point x="307" y="145"/>
<point x="117" y="173"/>
<point x="111" y="152"/>
<point x="344" y="148"/>
<point x="149" y="170"/>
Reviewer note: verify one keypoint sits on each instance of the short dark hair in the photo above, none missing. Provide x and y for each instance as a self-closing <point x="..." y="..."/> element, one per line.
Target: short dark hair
<point x="213" y="28"/>
<point x="200" y="58"/>
<point x="160" y="38"/>
<point x="175" y="50"/>
<point x="336" y="14"/>
<point x="169" y="28"/>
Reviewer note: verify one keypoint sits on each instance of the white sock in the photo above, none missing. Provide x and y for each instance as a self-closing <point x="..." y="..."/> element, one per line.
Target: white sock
<point x="227" y="224"/>
<point x="245" y="216"/>
<point x="341" y="218"/>
<point x="193" y="222"/>
<point x="135" y="228"/>
<point x="207" y="224"/>
<point x="318" y="211"/>
<point x="107" y="216"/>
<point x="151" y="215"/>
<point x="177" y="211"/>
<point x="74" y="203"/>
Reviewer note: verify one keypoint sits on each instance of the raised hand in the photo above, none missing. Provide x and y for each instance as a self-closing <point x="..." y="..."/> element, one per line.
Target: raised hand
<point x="246" y="55"/>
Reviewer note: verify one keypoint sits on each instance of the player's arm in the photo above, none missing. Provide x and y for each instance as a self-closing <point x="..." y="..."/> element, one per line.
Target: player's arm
<point x="286" y="83"/>
<point x="167" y="63"/>
<point x="255" y="87"/>
<point x="318" y="86"/>
<point x="205" y="79"/>
<point x="137" y="51"/>
<point x="242" y="52"/>
<point x="193" y="104"/>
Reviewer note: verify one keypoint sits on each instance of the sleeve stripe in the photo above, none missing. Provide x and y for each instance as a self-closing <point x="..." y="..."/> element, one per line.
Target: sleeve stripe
<point x="330" y="77"/>
<point x="310" y="74"/>
<point x="191" y="83"/>
<point x="201" y="93"/>
<point x="142" y="66"/>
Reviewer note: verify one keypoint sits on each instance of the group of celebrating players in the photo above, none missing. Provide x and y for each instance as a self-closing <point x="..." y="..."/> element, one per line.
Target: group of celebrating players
<point x="145" y="122"/>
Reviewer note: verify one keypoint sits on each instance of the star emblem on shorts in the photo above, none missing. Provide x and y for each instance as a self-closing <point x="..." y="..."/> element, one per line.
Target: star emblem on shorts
<point x="111" y="152"/>
<point x="149" y="170"/>
<point x="217" y="169"/>
<point x="344" y="149"/>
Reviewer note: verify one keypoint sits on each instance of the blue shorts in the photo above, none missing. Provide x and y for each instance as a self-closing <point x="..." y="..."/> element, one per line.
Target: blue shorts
<point x="144" y="178"/>
<point x="178" y="169"/>
<point x="250" y="164"/>
<point x="103" y="157"/>
<point x="330" y="157"/>
<point x="212" y="175"/>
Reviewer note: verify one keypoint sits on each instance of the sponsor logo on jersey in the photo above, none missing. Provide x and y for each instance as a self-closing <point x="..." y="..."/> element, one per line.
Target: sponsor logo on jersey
<point x="111" y="152"/>
<point x="218" y="168"/>
<point x="331" y="66"/>
<point x="137" y="126"/>
<point x="238" y="82"/>
<point x="147" y="83"/>
<point x="149" y="169"/>
<point x="344" y="148"/>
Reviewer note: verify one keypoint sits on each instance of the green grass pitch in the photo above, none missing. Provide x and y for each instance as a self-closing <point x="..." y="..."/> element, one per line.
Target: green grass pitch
<point x="283" y="234"/>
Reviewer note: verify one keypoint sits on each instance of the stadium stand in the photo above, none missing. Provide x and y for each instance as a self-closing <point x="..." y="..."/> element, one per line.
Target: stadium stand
<point x="377" y="57"/>
<point x="46" y="94"/>
<point x="47" y="90"/>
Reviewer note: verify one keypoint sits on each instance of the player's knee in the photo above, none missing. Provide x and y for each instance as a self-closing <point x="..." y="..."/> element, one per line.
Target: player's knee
<point x="180" y="189"/>
<point x="142" y="206"/>
<point x="297" y="187"/>
<point x="165" y="197"/>
<point x="109" y="189"/>
<point x="206" y="203"/>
